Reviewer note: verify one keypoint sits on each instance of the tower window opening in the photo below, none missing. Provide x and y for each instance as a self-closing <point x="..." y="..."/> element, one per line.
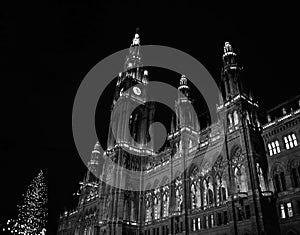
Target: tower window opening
<point x="274" y="147"/>
<point x="290" y="141"/>
<point x="290" y="209"/>
<point x="282" y="211"/>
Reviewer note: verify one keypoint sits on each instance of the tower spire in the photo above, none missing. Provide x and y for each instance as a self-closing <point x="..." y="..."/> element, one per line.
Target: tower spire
<point x="93" y="170"/>
<point x="133" y="59"/>
<point x="136" y="39"/>
<point x="183" y="87"/>
<point x="229" y="56"/>
<point x="231" y="84"/>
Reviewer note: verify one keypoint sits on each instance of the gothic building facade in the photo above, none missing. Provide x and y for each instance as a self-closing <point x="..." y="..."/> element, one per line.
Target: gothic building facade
<point x="239" y="175"/>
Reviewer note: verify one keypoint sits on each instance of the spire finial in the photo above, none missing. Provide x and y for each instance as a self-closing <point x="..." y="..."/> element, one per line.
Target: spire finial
<point x="227" y="48"/>
<point x="183" y="80"/>
<point x="136" y="39"/>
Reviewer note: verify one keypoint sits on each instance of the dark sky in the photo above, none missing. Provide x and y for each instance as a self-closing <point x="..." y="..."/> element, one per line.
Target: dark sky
<point x="47" y="48"/>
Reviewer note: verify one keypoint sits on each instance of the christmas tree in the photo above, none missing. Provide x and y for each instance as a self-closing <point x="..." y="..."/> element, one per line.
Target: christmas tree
<point x="32" y="214"/>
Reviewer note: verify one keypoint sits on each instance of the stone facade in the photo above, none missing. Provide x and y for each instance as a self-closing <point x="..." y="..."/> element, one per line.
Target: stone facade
<point x="230" y="177"/>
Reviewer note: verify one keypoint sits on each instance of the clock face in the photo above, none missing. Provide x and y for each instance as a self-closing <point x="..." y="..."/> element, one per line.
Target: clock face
<point x="137" y="90"/>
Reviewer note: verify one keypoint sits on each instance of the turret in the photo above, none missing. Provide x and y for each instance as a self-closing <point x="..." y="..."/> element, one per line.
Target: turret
<point x="230" y="75"/>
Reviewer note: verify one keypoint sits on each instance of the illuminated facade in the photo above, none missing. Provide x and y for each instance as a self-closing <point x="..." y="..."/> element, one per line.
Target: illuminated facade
<point x="242" y="177"/>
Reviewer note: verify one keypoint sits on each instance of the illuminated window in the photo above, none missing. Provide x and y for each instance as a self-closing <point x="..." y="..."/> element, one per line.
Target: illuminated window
<point x="212" y="220"/>
<point x="194" y="225"/>
<point x="157" y="204"/>
<point x="290" y="141"/>
<point x="229" y="120"/>
<point x="199" y="223"/>
<point x="178" y="193"/>
<point x="282" y="211"/>
<point x="235" y="118"/>
<point x="207" y="222"/>
<point x="289" y="209"/>
<point x="148" y="207"/>
<point x="274" y="147"/>
<point x="166" y="202"/>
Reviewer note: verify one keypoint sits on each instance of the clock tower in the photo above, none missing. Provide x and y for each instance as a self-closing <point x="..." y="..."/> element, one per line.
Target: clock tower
<point x="128" y="140"/>
<point x="130" y="102"/>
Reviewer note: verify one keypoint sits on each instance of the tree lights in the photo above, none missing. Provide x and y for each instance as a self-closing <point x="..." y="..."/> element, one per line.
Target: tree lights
<point x="32" y="214"/>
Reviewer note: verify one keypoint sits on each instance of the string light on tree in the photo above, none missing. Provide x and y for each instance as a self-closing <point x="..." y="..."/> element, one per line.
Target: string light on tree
<point x="32" y="214"/>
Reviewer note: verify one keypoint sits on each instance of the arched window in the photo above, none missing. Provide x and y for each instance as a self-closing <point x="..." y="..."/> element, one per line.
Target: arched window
<point x="279" y="179"/>
<point x="244" y="182"/>
<point x="157" y="203"/>
<point x="127" y="210"/>
<point x="190" y="143"/>
<point x="178" y="193"/>
<point x="277" y="183"/>
<point x="195" y="195"/>
<point x="148" y="207"/>
<point x="132" y="208"/>
<point x="295" y="173"/>
<point x="204" y="193"/>
<point x="235" y="118"/>
<point x="260" y="177"/>
<point x="240" y="177"/>
<point x="282" y="179"/>
<point x="229" y="120"/>
<point x="221" y="190"/>
<point x="210" y="197"/>
<point x="165" y="202"/>
<point x="210" y="191"/>
<point x="248" y="117"/>
<point x="195" y="189"/>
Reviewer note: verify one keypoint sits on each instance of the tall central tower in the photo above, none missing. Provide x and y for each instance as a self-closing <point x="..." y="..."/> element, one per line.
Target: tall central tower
<point x="128" y="138"/>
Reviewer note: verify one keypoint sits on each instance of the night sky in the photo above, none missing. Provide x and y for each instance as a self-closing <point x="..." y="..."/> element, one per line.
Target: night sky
<point x="46" y="49"/>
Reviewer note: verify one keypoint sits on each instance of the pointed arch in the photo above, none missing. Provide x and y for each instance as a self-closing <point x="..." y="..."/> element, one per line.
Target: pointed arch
<point x="235" y="117"/>
<point x="241" y="179"/>
<point x="165" y="200"/>
<point x="294" y="170"/>
<point x="156" y="183"/>
<point x="157" y="203"/>
<point x="205" y="187"/>
<point x="178" y="194"/>
<point x="222" y="191"/>
<point x="193" y="170"/>
<point x="210" y="191"/>
<point x="278" y="177"/>
<point x="148" y="204"/>
<point x="195" y="188"/>
<point x="235" y="152"/>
